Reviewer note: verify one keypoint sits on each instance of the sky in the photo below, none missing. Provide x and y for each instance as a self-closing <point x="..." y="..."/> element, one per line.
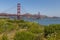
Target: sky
<point x="45" y="7"/>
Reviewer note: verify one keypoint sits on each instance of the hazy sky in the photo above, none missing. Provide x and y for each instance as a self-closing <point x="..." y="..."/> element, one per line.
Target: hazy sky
<point x="45" y="7"/>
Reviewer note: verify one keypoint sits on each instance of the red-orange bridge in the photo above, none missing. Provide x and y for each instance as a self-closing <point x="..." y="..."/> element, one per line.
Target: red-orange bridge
<point x="18" y="13"/>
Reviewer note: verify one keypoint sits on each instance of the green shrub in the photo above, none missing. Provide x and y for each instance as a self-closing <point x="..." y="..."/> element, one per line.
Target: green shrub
<point x="48" y="30"/>
<point x="34" y="28"/>
<point x="4" y="37"/>
<point x="24" y="36"/>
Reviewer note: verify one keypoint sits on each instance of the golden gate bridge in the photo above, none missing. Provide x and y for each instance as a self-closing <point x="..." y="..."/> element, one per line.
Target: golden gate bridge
<point x="19" y="13"/>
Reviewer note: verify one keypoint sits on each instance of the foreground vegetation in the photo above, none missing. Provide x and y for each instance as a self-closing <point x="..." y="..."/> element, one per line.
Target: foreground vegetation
<point x="22" y="30"/>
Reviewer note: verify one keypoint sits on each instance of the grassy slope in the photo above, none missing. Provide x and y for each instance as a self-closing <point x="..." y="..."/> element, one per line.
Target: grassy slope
<point x="28" y="30"/>
<point x="10" y="27"/>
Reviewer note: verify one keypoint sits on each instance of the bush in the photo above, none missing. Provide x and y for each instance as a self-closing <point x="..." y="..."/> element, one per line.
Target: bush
<point x="24" y="36"/>
<point x="34" y="28"/>
<point x="48" y="30"/>
<point x="4" y="37"/>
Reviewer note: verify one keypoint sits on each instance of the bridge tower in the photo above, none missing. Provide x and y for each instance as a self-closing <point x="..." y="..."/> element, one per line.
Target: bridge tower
<point x="18" y="11"/>
<point x="39" y="14"/>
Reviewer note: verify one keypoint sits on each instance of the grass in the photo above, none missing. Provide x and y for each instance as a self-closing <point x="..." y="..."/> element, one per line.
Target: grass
<point x="24" y="30"/>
